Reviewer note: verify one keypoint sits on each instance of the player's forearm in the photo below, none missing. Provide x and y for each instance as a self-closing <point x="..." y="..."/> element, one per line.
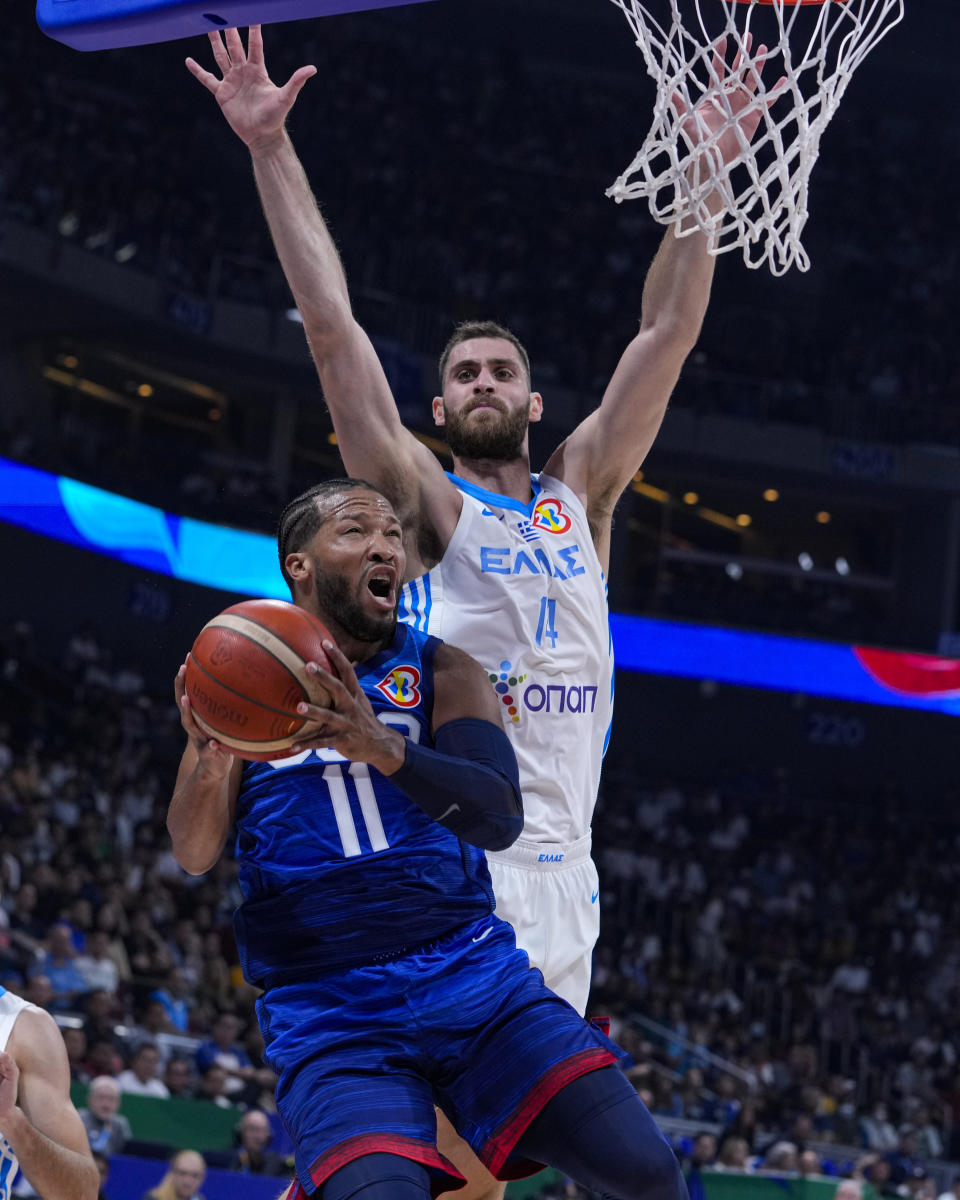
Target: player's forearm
<point x="198" y="820"/>
<point x="55" y="1172"/>
<point x="677" y="289"/>
<point x="469" y="783"/>
<point x="304" y="246"/>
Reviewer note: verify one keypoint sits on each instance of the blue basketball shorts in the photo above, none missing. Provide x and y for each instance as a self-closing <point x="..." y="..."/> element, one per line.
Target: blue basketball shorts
<point x="464" y="1024"/>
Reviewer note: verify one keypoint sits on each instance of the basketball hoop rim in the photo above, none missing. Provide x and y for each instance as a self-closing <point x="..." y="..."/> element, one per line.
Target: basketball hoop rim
<point x="789" y="3"/>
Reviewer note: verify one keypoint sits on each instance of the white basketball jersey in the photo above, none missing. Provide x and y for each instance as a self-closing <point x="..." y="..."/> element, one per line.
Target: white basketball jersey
<point x="521" y="589"/>
<point x="11" y="1007"/>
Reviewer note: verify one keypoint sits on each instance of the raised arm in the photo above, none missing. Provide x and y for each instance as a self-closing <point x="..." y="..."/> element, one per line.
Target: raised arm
<point x="201" y="812"/>
<point x="37" y="1116"/>
<point x="604" y="452"/>
<point x="373" y="443"/>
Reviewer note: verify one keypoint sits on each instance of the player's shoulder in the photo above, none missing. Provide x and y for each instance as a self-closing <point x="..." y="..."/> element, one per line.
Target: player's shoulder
<point x="35" y="1037"/>
<point x="451" y="663"/>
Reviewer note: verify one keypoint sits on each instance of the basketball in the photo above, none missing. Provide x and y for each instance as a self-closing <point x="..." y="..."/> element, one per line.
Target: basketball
<point x="246" y="674"/>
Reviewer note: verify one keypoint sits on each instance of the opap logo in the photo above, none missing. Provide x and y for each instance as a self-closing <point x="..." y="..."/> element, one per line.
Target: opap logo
<point x="549" y="516"/>
<point x="504" y="681"/>
<point x="401" y="687"/>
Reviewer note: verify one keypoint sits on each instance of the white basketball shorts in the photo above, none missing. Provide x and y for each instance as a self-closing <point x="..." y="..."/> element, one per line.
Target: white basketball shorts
<point x="550" y="894"/>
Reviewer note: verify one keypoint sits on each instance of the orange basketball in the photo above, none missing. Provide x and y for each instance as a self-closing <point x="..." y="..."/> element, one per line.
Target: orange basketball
<point x="246" y="675"/>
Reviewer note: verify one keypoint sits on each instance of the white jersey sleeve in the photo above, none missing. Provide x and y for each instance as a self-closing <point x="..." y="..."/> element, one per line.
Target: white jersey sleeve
<point x="521" y="589"/>
<point x="11" y="1007"/>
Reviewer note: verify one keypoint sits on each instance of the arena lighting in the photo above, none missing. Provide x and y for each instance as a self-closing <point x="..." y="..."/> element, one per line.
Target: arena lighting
<point x="771" y="494"/>
<point x="293" y="314"/>
<point x="245" y="563"/>
<point x="744" y="519"/>
<point x="843" y="567"/>
<point x="823" y="517"/>
<point x="734" y="570"/>
<point x="690" y="497"/>
<point x="805" y="561"/>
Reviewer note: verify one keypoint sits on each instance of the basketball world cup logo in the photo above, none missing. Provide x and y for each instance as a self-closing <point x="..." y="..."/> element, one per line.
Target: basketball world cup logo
<point x="549" y="516"/>
<point x="401" y="687"/>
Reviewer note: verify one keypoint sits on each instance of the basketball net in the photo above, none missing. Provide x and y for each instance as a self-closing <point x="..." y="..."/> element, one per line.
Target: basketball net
<point x="814" y="46"/>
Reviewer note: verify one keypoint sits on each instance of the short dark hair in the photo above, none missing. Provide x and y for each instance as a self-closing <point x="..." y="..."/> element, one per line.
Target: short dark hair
<point x="468" y="330"/>
<point x="303" y="516"/>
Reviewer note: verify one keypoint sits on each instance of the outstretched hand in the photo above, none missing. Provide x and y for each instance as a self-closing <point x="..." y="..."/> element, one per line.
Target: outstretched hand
<point x="254" y="106"/>
<point x="350" y="725"/>
<point x="739" y="85"/>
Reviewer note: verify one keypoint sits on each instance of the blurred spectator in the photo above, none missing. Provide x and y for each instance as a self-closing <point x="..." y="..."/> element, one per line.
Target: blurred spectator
<point x="59" y="965"/>
<point x="183" y="1179"/>
<point x="782" y="1156"/>
<point x="75" y="1041"/>
<point x="253" y="1156"/>
<point x="154" y="1021"/>
<point x="953" y="1192"/>
<point x="213" y="1086"/>
<point x="224" y="1049"/>
<point x="702" y="1154"/>
<point x="175" y="996"/>
<point x="808" y="1163"/>
<point x="103" y="1058"/>
<point x="733" y="1155"/>
<point x="107" y="1129"/>
<point x="877" y="1131"/>
<point x="178" y="1077"/>
<point x="100" y="1017"/>
<point x="140" y="1079"/>
<point x="98" y="968"/>
<point x="849" y="1189"/>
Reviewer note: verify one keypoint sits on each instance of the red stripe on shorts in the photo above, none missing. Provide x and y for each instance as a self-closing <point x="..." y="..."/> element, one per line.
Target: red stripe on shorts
<point x="497" y="1150"/>
<point x="382" y="1143"/>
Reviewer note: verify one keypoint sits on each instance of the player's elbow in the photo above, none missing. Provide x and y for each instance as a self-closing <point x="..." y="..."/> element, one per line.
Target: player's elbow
<point x="504" y="833"/>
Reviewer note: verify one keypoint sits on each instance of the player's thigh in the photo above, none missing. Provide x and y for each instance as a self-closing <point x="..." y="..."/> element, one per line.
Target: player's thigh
<point x="480" y="1184"/>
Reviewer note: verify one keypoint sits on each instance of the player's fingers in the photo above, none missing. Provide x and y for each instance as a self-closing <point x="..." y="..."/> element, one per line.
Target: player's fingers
<point x="220" y="52"/>
<point x="339" y="693"/>
<point x="752" y="79"/>
<point x="343" y="667"/>
<point x="210" y="82"/>
<point x="255" y="45"/>
<point x="318" y="714"/>
<point x="235" y="46"/>
<point x="293" y="86"/>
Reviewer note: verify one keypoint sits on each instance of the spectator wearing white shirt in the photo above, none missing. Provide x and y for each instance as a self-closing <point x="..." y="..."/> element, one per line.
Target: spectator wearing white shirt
<point x="96" y="965"/>
<point x="140" y="1079"/>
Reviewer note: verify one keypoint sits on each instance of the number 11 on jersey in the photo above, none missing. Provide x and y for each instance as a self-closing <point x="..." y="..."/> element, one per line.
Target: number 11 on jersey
<point x="547" y="624"/>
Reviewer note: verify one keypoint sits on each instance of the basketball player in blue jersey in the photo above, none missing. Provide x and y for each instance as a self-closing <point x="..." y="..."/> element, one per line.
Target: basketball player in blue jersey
<point x="40" y="1130"/>
<point x="367" y="919"/>
<point x="508" y="565"/>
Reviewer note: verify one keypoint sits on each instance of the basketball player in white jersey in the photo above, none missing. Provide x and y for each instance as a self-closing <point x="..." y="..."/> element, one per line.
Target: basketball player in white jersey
<point x="508" y="565"/>
<point x="39" y="1128"/>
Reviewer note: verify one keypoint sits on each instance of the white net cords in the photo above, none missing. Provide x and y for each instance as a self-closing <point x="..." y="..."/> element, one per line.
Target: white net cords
<point x="815" y="48"/>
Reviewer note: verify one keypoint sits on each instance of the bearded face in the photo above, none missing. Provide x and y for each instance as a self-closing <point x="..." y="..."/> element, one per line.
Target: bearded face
<point x="486" y="429"/>
<point x="347" y="604"/>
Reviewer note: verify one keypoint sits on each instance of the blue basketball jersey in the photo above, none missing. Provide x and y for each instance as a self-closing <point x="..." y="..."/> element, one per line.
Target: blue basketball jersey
<point x="336" y="865"/>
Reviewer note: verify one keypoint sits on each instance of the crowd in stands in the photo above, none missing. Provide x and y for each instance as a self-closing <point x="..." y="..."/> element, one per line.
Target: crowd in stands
<point x="467" y="186"/>
<point x="783" y="969"/>
<point x="149" y="176"/>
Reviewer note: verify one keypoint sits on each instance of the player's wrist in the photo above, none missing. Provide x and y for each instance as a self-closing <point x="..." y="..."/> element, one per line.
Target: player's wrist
<point x="393" y="755"/>
<point x="264" y="146"/>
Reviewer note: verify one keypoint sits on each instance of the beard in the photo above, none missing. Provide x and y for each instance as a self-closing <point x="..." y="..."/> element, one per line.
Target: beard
<point x="500" y="440"/>
<point x="335" y="597"/>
